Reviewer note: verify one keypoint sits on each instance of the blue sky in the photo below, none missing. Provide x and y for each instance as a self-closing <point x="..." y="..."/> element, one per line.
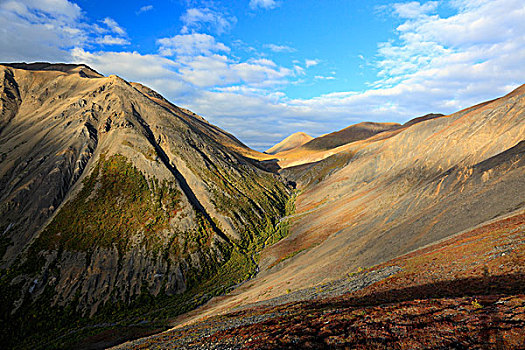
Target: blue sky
<point x="263" y="69"/>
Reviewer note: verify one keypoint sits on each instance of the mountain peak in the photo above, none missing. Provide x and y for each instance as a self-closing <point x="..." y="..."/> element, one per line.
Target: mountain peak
<point x="293" y="141"/>
<point x="349" y="134"/>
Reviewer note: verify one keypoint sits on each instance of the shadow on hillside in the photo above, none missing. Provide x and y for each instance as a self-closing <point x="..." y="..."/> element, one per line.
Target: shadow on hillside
<point x="476" y="286"/>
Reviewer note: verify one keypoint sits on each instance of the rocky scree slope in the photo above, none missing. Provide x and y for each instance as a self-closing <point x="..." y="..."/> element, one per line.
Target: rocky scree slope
<point x="113" y="200"/>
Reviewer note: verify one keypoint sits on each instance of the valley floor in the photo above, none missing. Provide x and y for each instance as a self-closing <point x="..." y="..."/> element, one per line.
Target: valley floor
<point x="466" y="292"/>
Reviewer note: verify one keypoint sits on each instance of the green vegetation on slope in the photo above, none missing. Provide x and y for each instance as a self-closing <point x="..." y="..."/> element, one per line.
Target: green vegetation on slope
<point x="115" y="203"/>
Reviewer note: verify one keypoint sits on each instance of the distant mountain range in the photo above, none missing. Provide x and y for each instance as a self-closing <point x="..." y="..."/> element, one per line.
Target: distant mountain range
<point x="120" y="211"/>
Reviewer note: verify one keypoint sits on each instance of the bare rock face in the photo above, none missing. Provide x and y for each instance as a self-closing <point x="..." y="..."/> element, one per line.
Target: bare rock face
<point x="109" y="194"/>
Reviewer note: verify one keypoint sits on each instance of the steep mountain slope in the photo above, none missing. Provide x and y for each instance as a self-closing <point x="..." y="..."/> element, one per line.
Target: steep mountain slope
<point x="113" y="200"/>
<point x="291" y="142"/>
<point x="385" y="196"/>
<point x="379" y="198"/>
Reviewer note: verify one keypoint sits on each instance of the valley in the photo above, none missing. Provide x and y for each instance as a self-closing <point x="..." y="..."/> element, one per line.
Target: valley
<point x="125" y="216"/>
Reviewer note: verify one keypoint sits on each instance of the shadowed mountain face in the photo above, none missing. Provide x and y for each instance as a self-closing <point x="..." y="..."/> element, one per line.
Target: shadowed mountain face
<point x="113" y="199"/>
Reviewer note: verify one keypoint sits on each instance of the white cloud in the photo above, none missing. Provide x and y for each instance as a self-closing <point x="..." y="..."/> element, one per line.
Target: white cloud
<point x="310" y="63"/>
<point x="190" y="44"/>
<point x="204" y="62"/>
<point x="265" y="4"/>
<point x="114" y="26"/>
<point x="200" y="18"/>
<point x="112" y="40"/>
<point x="280" y="48"/>
<point x="264" y="62"/>
<point x="414" y="9"/>
<point x="299" y="70"/>
<point x="145" y="9"/>
<point x="219" y="70"/>
<point x="478" y="39"/>
<point x="322" y="77"/>
<point x="39" y="30"/>
<point x="62" y="9"/>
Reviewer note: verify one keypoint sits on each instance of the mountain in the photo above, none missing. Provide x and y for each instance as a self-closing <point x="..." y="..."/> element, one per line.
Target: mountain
<point x="422" y="225"/>
<point x="349" y="134"/>
<point x="327" y="145"/>
<point x="293" y="141"/>
<point x="116" y="203"/>
<point x="121" y="213"/>
<point x="399" y="190"/>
